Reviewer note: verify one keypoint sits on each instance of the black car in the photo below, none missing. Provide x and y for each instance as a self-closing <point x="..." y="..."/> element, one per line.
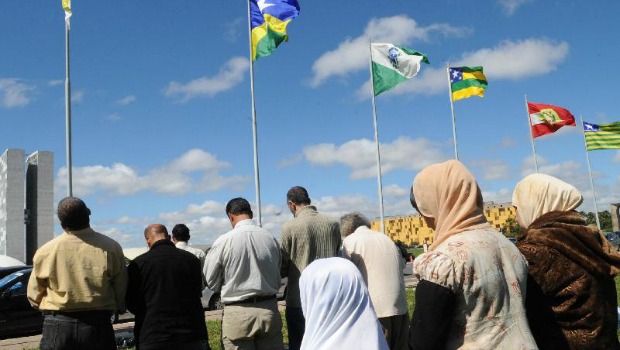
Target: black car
<point x="17" y="317"/>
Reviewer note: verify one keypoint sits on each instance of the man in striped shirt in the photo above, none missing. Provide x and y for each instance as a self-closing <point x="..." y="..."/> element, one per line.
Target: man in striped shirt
<point x="309" y="236"/>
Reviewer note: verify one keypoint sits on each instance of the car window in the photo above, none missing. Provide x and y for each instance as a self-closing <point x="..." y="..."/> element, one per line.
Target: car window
<point x="10" y="278"/>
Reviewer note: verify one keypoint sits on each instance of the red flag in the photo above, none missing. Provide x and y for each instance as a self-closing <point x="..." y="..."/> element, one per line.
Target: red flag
<point x="547" y="119"/>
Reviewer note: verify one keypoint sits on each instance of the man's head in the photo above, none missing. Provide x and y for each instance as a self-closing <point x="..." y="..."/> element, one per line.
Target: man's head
<point x="238" y="209"/>
<point x="154" y="233"/>
<point x="350" y="222"/>
<point x="180" y="233"/>
<point x="73" y="214"/>
<point x="297" y="198"/>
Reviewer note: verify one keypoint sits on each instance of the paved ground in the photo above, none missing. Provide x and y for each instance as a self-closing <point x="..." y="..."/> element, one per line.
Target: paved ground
<point x="126" y="328"/>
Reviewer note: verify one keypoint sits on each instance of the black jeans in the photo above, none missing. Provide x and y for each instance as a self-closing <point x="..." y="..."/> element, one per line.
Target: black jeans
<point x="76" y="331"/>
<point x="296" y="324"/>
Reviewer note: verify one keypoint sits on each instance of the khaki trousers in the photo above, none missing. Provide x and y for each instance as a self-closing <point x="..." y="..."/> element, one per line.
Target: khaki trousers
<point x="252" y="326"/>
<point x="396" y="331"/>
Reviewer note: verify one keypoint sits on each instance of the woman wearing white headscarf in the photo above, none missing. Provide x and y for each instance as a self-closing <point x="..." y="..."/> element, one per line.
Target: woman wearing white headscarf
<point x="473" y="279"/>
<point x="571" y="294"/>
<point x="337" y="308"/>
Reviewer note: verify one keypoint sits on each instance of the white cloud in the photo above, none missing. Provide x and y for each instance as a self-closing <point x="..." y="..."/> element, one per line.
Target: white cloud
<point x="617" y="157"/>
<point x="290" y="161"/>
<point x="114" y="117"/>
<point x="352" y="54"/>
<point x="77" y="96"/>
<point x="228" y="77"/>
<point x="234" y="29"/>
<point x="126" y="100"/>
<point x="179" y="176"/>
<point x="503" y="195"/>
<point x="396" y="191"/>
<point x="15" y="93"/>
<point x="55" y="82"/>
<point x="360" y="155"/>
<point x="508" y="142"/>
<point x="508" y="60"/>
<point x="510" y="6"/>
<point x="493" y="169"/>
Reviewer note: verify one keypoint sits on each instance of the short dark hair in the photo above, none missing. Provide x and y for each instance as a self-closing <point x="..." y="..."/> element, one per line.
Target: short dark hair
<point x="239" y="206"/>
<point x="298" y="195"/>
<point x="73" y="213"/>
<point x="180" y="232"/>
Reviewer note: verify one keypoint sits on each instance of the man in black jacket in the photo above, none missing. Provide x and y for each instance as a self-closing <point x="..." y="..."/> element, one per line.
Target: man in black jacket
<point x="165" y="286"/>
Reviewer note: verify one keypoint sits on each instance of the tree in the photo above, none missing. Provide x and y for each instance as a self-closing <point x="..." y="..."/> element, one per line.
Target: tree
<point x="604" y="217"/>
<point x="511" y="228"/>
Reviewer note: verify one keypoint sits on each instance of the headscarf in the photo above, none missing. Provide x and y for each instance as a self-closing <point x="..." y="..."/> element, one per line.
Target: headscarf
<point x="449" y="193"/>
<point x="337" y="308"/>
<point x="538" y="194"/>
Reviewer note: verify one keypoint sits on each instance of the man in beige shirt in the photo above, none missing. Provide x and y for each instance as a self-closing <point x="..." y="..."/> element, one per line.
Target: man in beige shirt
<point x="78" y="281"/>
<point x="381" y="265"/>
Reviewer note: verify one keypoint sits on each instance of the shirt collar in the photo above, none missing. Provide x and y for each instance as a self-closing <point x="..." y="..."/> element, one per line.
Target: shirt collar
<point x="181" y="244"/>
<point x="162" y="242"/>
<point x="80" y="232"/>
<point x="245" y="222"/>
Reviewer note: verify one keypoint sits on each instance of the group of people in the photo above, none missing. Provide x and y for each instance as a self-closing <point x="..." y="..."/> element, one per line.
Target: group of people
<point x="554" y="289"/>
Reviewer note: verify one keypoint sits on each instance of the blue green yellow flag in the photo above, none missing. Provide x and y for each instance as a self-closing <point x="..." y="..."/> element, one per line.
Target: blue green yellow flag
<point x="466" y="82"/>
<point x="268" y="21"/>
<point x="66" y="5"/>
<point x="603" y="136"/>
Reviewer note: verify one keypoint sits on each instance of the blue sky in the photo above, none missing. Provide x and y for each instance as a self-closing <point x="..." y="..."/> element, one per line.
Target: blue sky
<point x="162" y="115"/>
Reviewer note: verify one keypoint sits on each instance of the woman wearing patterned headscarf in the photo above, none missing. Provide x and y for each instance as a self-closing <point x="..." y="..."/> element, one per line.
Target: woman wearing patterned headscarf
<point x="337" y="308"/>
<point x="473" y="279"/>
<point x="571" y="294"/>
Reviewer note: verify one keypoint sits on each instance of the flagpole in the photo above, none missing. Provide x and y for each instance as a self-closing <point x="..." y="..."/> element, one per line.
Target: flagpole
<point x="456" y="150"/>
<point x="254" y="128"/>
<point x="529" y="123"/>
<point x="68" y="113"/>
<point x="374" y="114"/>
<point x="585" y="144"/>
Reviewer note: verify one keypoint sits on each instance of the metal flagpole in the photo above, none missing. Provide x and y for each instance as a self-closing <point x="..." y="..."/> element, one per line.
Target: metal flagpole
<point x="529" y="123"/>
<point x="254" y="129"/>
<point x="374" y="114"/>
<point x="598" y="222"/>
<point x="456" y="150"/>
<point x="68" y="113"/>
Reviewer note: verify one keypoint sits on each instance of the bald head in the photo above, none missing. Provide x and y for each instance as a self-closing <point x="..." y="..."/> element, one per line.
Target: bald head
<point x="154" y="233"/>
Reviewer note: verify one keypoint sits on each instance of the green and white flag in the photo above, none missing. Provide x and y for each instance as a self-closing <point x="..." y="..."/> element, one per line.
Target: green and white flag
<point x="391" y="65"/>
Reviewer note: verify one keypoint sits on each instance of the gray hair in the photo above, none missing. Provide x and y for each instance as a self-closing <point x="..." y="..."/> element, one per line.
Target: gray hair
<point x="350" y="222"/>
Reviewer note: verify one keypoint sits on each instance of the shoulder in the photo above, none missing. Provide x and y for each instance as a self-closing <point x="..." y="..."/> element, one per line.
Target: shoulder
<point x="437" y="267"/>
<point x="109" y="243"/>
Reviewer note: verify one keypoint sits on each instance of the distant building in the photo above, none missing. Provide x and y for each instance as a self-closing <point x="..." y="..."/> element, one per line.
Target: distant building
<point x="411" y="229"/>
<point x="26" y="203"/>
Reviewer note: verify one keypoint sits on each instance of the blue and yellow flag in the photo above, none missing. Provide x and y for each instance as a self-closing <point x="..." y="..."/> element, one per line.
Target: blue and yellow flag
<point x="269" y="19"/>
<point x="66" y="5"/>
<point x="466" y="82"/>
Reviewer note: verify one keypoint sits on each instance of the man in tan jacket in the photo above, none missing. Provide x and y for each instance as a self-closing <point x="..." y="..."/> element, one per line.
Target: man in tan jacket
<point x="78" y="282"/>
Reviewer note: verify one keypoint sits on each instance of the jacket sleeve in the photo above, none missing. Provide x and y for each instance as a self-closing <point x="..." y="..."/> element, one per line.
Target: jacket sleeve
<point x="285" y="250"/>
<point x="434" y="305"/>
<point x="37" y="286"/>
<point x="213" y="270"/>
<point x="134" y="297"/>
<point x="119" y="279"/>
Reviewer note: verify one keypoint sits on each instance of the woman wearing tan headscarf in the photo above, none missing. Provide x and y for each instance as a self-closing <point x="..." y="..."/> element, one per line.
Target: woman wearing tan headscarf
<point x="571" y="294"/>
<point x="473" y="279"/>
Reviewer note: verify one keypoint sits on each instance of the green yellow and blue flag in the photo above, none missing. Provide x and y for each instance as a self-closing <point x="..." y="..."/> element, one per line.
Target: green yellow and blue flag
<point x="466" y="82"/>
<point x="66" y="5"/>
<point x="268" y="21"/>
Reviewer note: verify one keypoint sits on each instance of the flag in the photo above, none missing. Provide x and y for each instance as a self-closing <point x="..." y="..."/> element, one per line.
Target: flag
<point x="268" y="21"/>
<point x="602" y="136"/>
<point x="547" y="119"/>
<point x="66" y="5"/>
<point x="391" y="65"/>
<point x="466" y="82"/>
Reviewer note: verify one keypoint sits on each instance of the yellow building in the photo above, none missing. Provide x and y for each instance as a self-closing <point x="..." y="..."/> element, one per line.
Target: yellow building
<point x="411" y="229"/>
